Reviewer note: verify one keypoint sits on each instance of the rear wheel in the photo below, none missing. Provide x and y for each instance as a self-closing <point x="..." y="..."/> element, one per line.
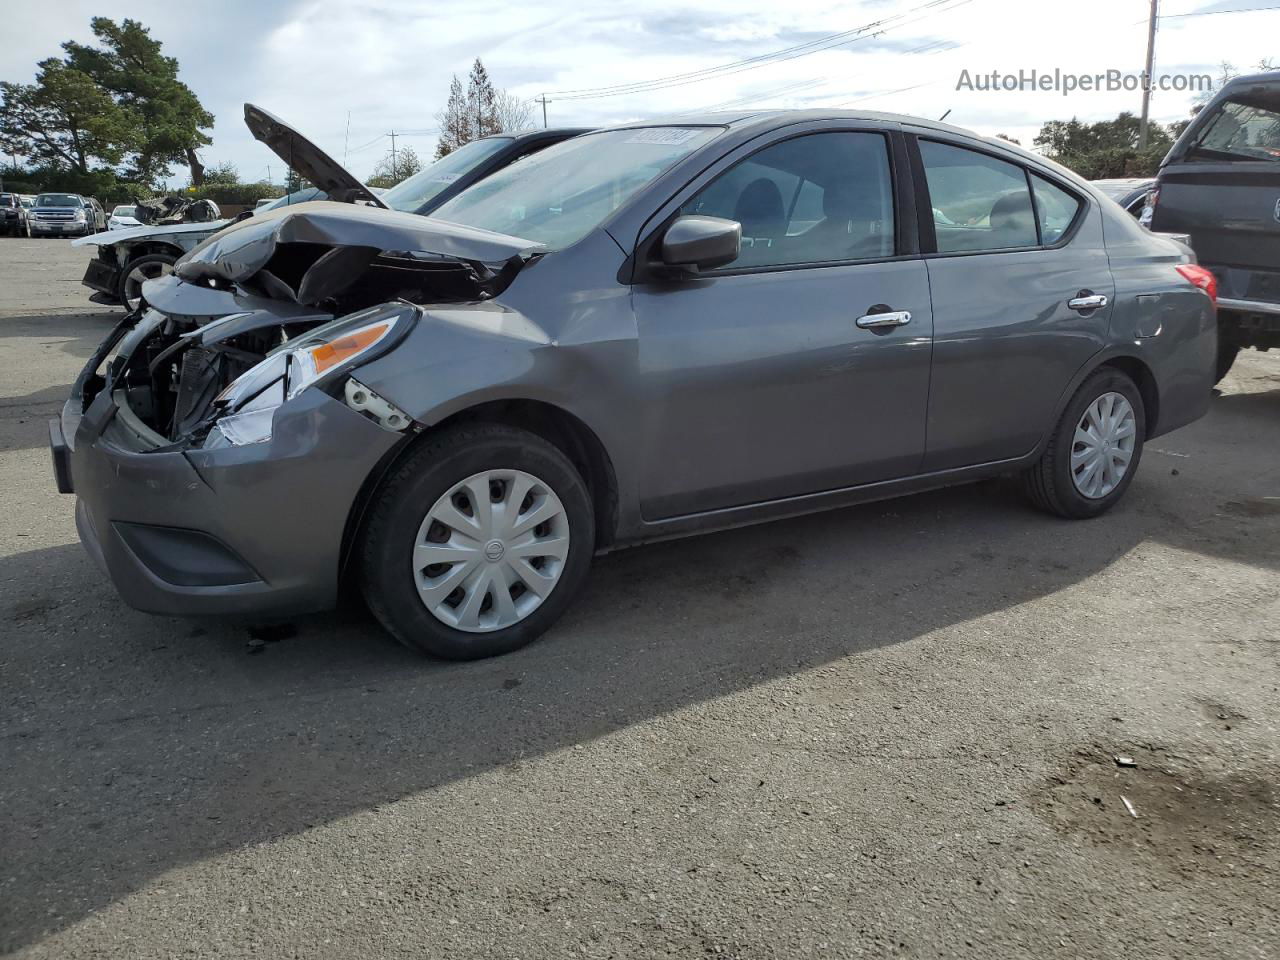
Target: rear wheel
<point x="477" y="543"/>
<point x="137" y="272"/>
<point x="1094" y="451"/>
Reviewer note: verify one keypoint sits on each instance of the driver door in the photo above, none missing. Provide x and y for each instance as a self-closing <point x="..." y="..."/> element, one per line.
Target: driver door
<point x="769" y="378"/>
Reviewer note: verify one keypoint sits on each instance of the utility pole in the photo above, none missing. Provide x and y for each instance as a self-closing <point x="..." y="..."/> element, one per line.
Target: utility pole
<point x="392" y="135"/>
<point x="346" y="139"/>
<point x="543" y="100"/>
<point x="1146" y="75"/>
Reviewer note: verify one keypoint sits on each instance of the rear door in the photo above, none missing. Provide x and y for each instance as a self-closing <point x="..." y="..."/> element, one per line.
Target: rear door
<point x="1221" y="185"/>
<point x="1022" y="296"/>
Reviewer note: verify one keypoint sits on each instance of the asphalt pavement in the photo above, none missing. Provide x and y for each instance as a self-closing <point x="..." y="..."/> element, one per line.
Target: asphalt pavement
<point x="890" y="730"/>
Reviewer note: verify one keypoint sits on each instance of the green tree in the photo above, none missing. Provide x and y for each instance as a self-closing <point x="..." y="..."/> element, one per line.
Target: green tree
<point x="221" y="175"/>
<point x="454" y="128"/>
<point x="128" y="64"/>
<point x="482" y="103"/>
<point x="477" y="112"/>
<point x="64" y="120"/>
<point x="1108" y="148"/>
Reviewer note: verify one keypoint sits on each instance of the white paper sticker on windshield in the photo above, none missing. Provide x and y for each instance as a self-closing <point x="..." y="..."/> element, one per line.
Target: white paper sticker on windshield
<point x="664" y="136"/>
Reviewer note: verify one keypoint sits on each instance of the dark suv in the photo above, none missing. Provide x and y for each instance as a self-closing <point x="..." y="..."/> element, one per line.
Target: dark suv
<point x="13" y="215"/>
<point x="1220" y="183"/>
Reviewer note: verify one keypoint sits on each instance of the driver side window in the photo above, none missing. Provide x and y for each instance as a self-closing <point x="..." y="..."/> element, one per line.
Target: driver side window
<point x="818" y="198"/>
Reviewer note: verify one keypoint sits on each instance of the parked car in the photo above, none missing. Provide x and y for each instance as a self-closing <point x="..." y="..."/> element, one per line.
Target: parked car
<point x="127" y="259"/>
<point x="1130" y="193"/>
<point x="97" y="215"/>
<point x="62" y="215"/>
<point x="14" y="215"/>
<point x="1220" y="183"/>
<point x="122" y="217"/>
<point x="643" y="332"/>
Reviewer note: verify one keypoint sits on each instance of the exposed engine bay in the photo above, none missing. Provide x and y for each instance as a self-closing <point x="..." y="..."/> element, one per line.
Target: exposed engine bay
<point x="275" y="304"/>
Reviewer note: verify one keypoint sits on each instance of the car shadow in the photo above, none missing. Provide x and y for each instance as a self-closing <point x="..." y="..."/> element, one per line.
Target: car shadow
<point x="135" y="745"/>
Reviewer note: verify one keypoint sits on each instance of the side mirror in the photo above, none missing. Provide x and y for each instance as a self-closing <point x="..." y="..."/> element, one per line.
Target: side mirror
<point x="701" y="243"/>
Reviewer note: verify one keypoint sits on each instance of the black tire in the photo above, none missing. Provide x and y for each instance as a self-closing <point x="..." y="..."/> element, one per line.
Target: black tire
<point x="1227" y="353"/>
<point x="400" y="504"/>
<point x="1049" y="484"/>
<point x="130" y="266"/>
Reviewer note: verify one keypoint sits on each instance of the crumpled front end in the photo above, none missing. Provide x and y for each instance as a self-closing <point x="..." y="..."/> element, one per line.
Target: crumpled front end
<point x="218" y="440"/>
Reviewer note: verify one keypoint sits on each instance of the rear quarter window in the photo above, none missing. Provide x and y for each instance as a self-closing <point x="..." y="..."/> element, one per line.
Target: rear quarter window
<point x="1056" y="208"/>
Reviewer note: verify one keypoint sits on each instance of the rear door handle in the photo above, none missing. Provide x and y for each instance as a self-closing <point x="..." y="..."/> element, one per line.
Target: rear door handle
<point x="1094" y="301"/>
<point x="876" y="321"/>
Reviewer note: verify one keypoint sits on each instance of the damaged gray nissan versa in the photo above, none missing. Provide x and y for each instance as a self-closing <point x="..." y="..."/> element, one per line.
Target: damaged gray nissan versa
<point x="644" y="332"/>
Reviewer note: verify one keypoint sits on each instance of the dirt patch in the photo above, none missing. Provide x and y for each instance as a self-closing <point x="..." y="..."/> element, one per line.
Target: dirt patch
<point x="1253" y="507"/>
<point x="1194" y="822"/>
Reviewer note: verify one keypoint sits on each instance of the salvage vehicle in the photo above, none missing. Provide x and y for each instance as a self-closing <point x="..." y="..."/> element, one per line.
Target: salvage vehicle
<point x="122" y="217"/>
<point x="1130" y="192"/>
<point x="126" y="259"/>
<point x="15" y="211"/>
<point x="62" y="215"/>
<point x="1220" y="183"/>
<point x="640" y="333"/>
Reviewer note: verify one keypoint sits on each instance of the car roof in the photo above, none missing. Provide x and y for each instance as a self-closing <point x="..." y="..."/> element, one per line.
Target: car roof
<point x="542" y="133"/>
<point x="1272" y="76"/>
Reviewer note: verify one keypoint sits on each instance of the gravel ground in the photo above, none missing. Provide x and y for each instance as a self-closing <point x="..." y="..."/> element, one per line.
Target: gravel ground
<point x="885" y="731"/>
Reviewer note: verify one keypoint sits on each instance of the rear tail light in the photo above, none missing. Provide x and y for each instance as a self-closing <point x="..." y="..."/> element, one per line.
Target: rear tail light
<point x="1201" y="277"/>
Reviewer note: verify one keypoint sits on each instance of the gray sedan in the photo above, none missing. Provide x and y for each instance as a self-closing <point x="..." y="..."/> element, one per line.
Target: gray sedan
<point x="644" y="332"/>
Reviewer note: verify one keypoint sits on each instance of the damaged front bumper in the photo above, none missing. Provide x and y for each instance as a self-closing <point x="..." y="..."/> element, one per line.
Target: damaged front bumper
<point x="236" y="530"/>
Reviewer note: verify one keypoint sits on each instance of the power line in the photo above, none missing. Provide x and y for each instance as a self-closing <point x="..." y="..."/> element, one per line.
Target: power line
<point x="866" y="31"/>
<point x="1210" y="13"/>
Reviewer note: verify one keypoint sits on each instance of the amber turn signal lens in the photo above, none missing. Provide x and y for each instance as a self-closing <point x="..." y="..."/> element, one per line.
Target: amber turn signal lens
<point x="329" y="355"/>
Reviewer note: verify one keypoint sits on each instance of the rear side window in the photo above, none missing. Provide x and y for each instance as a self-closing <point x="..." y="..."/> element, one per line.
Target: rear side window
<point x="819" y="198"/>
<point x="979" y="202"/>
<point x="1056" y="207"/>
<point x="1244" y="131"/>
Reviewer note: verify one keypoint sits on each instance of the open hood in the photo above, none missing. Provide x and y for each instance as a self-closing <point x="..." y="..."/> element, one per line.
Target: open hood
<point x="306" y="159"/>
<point x="350" y="256"/>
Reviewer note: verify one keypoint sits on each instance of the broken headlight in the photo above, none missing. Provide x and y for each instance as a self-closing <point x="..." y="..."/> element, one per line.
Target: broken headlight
<point x="248" y="405"/>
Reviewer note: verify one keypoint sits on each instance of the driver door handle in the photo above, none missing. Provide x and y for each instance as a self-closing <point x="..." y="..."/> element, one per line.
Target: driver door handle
<point x="877" y="321"/>
<point x="1093" y="302"/>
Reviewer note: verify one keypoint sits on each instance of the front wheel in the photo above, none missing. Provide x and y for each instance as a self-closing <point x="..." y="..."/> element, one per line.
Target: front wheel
<point x="1094" y="451"/>
<point x="137" y="272"/>
<point x="477" y="542"/>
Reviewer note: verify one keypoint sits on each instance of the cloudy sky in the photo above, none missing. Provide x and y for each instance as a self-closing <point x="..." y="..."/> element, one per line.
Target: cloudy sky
<point x="386" y="64"/>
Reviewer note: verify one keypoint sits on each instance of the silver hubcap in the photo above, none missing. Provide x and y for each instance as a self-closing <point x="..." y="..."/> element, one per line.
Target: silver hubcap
<point x="491" y="550"/>
<point x="1103" y="445"/>
<point x="139" y="275"/>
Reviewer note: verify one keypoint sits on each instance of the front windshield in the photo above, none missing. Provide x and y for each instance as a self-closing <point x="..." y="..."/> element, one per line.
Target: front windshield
<point x="556" y="197"/>
<point x="123" y="212"/>
<point x="57" y="200"/>
<point x="424" y="186"/>
<point x="298" y="196"/>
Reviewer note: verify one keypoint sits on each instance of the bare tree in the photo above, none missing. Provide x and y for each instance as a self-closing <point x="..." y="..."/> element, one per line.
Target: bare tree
<point x="395" y="167"/>
<point x="514" y="113"/>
